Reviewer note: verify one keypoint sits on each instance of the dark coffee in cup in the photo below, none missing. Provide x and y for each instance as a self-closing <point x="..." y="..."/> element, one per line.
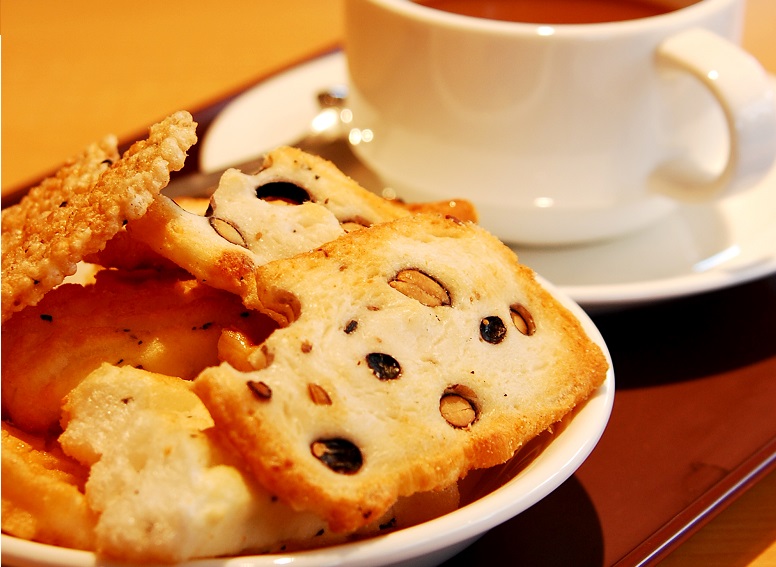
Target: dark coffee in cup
<point x="554" y="11"/>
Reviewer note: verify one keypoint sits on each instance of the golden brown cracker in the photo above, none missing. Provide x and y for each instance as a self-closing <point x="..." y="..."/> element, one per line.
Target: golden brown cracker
<point x="409" y="354"/>
<point x="42" y="492"/>
<point x="142" y="318"/>
<point x="460" y="209"/>
<point x="75" y="212"/>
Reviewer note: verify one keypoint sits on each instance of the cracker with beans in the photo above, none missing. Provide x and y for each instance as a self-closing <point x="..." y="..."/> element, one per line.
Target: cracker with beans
<point x="293" y="362"/>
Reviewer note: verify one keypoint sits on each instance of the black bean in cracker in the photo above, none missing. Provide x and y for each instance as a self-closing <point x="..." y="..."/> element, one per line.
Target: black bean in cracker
<point x="408" y="354"/>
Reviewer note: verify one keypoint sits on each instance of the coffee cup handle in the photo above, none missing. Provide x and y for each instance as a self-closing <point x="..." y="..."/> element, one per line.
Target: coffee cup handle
<point x="742" y="88"/>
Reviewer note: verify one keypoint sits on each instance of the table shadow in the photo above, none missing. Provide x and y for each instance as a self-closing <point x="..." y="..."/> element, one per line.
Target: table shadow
<point x="692" y="337"/>
<point x="562" y="529"/>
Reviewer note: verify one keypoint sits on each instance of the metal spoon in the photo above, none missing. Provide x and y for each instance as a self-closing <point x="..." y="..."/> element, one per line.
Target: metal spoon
<point x="327" y="137"/>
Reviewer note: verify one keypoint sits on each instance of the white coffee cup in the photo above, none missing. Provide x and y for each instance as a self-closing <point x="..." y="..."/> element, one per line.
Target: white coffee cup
<point x="559" y="133"/>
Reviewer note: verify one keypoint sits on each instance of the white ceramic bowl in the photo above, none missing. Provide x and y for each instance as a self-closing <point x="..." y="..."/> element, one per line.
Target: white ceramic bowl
<point x="503" y="492"/>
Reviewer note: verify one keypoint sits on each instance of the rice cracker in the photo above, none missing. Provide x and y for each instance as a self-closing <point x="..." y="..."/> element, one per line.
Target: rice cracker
<point x="75" y="212"/>
<point x="408" y="354"/>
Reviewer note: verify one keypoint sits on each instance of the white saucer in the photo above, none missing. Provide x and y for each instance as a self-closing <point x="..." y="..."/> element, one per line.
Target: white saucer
<point x="699" y="248"/>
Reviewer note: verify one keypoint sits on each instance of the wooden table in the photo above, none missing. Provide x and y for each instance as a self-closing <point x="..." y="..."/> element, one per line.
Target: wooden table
<point x="74" y="71"/>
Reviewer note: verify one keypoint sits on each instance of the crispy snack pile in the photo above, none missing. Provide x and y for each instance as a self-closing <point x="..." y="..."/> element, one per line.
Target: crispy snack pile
<point x="291" y="363"/>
